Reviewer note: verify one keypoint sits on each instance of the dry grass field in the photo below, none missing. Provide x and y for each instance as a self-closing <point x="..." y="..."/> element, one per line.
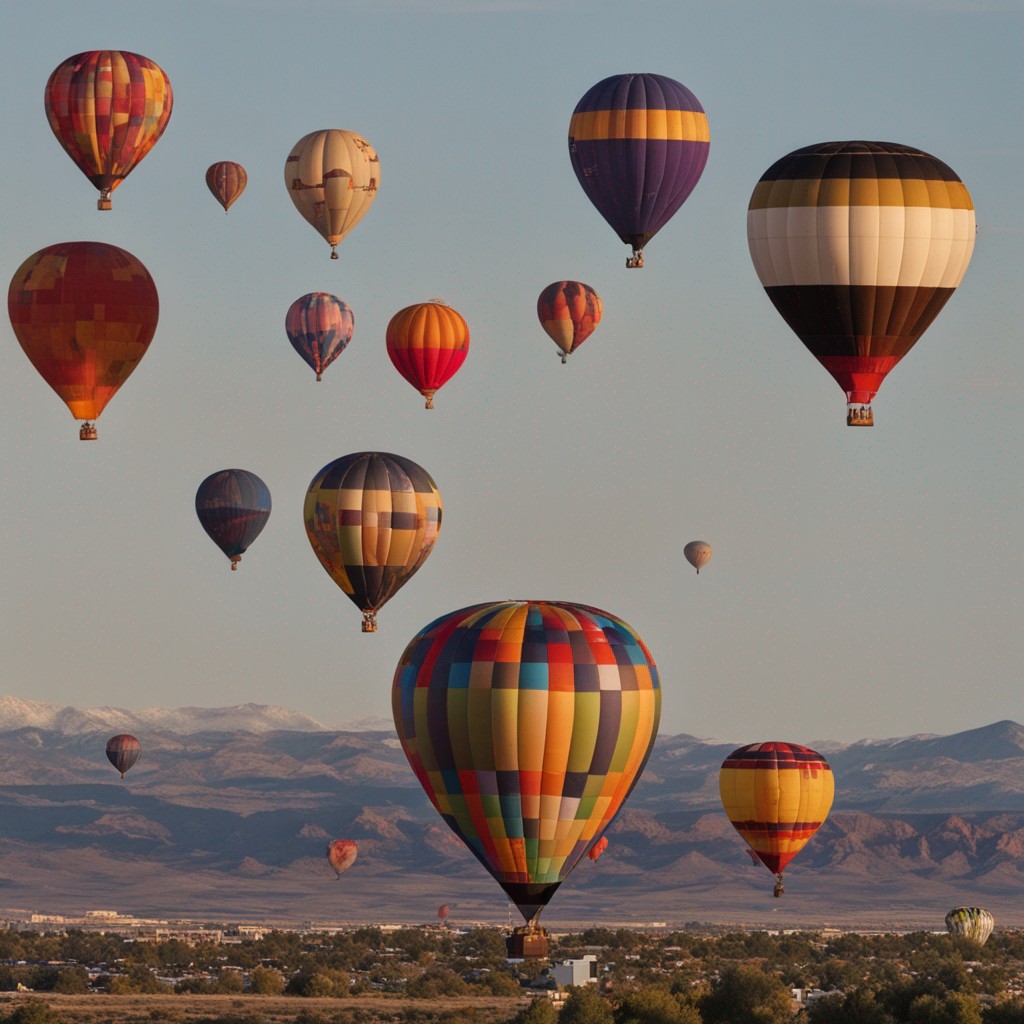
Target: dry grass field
<point x="191" y="1009"/>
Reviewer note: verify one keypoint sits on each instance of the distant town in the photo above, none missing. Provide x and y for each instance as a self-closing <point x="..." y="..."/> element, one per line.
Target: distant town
<point x="60" y="969"/>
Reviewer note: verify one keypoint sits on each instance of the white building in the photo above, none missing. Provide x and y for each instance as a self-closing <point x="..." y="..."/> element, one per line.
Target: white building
<point x="576" y="972"/>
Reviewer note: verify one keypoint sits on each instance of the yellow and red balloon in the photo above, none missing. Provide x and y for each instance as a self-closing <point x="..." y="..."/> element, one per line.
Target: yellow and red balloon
<point x="776" y="795"/>
<point x="427" y="343"/>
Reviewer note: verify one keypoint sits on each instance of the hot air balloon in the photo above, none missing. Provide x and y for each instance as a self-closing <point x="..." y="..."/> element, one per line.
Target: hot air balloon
<point x="974" y="923"/>
<point x="227" y="181"/>
<point x="85" y="313"/>
<point x="332" y="177"/>
<point x="638" y="145"/>
<point x="341" y="854"/>
<point x="598" y="848"/>
<point x="372" y="520"/>
<point x="319" y="326"/>
<point x="107" y="109"/>
<point x="776" y="795"/>
<point x="427" y="342"/>
<point x="123" y="751"/>
<point x="698" y="554"/>
<point x="443" y="911"/>
<point x="527" y="723"/>
<point x="233" y="506"/>
<point x="569" y="311"/>
<point x="859" y="245"/>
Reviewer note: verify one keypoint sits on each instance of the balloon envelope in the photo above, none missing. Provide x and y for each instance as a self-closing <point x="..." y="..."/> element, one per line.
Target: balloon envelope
<point x="227" y="181"/>
<point x="427" y="343"/>
<point x="341" y="854"/>
<point x="598" y="848"/>
<point x="319" y="326"/>
<point x="698" y="554"/>
<point x="372" y="519"/>
<point x="108" y="108"/>
<point x="123" y="751"/>
<point x="638" y="145"/>
<point x="569" y="311"/>
<point x="233" y="506"/>
<point x="527" y="723"/>
<point x="84" y="314"/>
<point x="443" y="911"/>
<point x="776" y="795"/>
<point x="974" y="923"/>
<point x="859" y="245"/>
<point x="332" y="177"/>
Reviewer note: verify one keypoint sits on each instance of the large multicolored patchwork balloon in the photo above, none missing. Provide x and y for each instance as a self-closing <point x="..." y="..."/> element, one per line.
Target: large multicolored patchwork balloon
<point x="859" y="245"/>
<point x="332" y="177"/>
<point x="638" y="145"/>
<point x="427" y="343"/>
<point x="776" y="795"/>
<point x="108" y="108"/>
<point x="527" y="723"/>
<point x="569" y="311"/>
<point x="233" y="506"/>
<point x="372" y="519"/>
<point x="319" y="326"/>
<point x="84" y="313"/>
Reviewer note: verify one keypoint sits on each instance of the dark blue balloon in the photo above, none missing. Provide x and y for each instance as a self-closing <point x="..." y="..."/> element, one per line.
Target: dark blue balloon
<point x="233" y="506"/>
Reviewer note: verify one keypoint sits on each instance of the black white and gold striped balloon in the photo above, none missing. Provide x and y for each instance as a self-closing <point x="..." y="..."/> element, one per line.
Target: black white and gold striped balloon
<point x="859" y="245"/>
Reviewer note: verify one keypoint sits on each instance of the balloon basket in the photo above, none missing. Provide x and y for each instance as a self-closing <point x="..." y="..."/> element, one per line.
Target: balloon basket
<point x="103" y="203"/>
<point x="429" y="396"/>
<point x="88" y="432"/>
<point x="636" y="261"/>
<point x="234" y="562"/>
<point x="369" y="622"/>
<point x="779" y="887"/>
<point x="527" y="943"/>
<point x="859" y="416"/>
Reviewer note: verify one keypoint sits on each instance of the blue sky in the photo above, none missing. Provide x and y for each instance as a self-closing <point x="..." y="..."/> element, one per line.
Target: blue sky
<point x="864" y="583"/>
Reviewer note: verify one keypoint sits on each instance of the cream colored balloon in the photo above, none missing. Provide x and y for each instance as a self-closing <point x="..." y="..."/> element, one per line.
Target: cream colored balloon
<point x="698" y="554"/>
<point x="333" y="177"/>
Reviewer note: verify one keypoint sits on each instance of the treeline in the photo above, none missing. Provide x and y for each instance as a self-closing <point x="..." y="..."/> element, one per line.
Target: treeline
<point x="681" y="978"/>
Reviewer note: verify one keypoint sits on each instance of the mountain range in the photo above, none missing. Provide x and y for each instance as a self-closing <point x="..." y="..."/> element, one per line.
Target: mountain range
<point x="227" y="814"/>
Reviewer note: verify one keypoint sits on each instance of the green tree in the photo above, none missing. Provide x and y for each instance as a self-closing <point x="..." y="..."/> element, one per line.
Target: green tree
<point x="654" y="1005"/>
<point x="949" y="1008"/>
<point x="856" y="1007"/>
<point x="540" y="1011"/>
<point x="747" y="995"/>
<point x="436" y="982"/>
<point x="319" y="982"/>
<point x="500" y="983"/>
<point x="585" y="1006"/>
<point x="229" y="983"/>
<point x="265" y="981"/>
<point x="1008" y="1011"/>
<point x="72" y="981"/>
<point x="33" y="1011"/>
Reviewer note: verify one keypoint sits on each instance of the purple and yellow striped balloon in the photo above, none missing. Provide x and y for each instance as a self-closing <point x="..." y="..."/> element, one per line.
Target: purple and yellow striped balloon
<point x="638" y="145"/>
